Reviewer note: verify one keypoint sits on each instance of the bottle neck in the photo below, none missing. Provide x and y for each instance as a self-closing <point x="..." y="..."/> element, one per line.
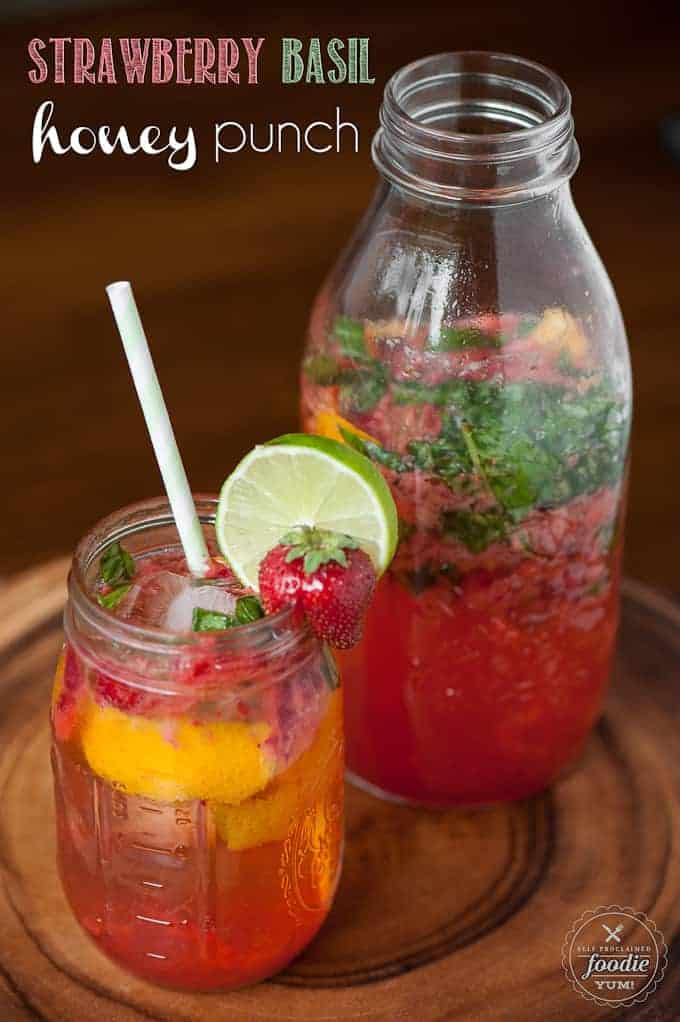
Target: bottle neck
<point x="475" y="127"/>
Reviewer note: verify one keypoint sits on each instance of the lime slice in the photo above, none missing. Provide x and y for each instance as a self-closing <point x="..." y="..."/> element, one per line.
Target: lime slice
<point x="303" y="480"/>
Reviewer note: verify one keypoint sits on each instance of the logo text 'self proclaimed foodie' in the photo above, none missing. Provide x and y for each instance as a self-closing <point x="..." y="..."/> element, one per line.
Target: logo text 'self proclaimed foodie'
<point x="614" y="956"/>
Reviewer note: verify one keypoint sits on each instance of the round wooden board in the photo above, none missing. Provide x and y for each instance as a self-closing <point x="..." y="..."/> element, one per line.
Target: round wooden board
<point x="456" y="915"/>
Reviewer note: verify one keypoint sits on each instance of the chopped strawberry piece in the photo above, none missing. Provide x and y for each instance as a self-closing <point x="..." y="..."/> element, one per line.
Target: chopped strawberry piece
<point x="218" y="568"/>
<point x="124" y="697"/>
<point x="68" y="689"/>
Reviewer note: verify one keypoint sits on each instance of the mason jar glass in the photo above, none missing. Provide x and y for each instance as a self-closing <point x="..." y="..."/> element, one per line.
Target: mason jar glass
<point x="470" y="343"/>
<point x="198" y="778"/>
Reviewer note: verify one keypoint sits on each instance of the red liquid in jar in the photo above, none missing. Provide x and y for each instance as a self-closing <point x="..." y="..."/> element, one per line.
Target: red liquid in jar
<point x="191" y="888"/>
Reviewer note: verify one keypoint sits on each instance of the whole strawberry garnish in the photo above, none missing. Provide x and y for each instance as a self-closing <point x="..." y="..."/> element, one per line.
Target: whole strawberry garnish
<point x="327" y="576"/>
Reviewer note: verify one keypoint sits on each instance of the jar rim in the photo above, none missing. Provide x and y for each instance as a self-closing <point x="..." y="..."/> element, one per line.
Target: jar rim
<point x="138" y="517"/>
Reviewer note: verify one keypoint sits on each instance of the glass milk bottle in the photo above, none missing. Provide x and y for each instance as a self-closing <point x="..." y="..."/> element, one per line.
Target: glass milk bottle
<point x="470" y="343"/>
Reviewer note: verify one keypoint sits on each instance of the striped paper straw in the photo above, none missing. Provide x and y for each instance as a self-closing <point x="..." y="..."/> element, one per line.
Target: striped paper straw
<point x="158" y="423"/>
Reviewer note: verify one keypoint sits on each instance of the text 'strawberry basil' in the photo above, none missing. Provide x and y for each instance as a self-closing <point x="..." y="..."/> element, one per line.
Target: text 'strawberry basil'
<point x="470" y="343"/>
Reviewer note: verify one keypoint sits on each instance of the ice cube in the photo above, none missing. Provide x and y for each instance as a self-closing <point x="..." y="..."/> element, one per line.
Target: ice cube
<point x="164" y="599"/>
<point x="180" y="612"/>
<point x="150" y="598"/>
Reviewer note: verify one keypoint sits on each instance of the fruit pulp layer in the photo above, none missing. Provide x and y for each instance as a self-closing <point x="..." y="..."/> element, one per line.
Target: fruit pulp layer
<point x="487" y="648"/>
<point x="199" y="833"/>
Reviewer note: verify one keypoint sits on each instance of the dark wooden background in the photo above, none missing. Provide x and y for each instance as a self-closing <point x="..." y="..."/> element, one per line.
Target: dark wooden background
<point x="226" y="260"/>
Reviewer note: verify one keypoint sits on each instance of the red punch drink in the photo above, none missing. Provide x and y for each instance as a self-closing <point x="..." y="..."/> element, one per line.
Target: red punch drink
<point x="198" y="772"/>
<point x="488" y="645"/>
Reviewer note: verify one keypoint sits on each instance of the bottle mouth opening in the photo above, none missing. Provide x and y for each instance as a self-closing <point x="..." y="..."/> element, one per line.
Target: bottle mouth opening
<point x="475" y="124"/>
<point x="474" y="96"/>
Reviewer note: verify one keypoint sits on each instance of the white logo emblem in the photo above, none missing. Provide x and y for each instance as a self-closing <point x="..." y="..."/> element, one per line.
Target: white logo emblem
<point x="613" y="934"/>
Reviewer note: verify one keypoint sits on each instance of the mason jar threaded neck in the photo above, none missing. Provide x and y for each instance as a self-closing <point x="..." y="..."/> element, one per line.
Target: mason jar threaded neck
<point x="477" y="127"/>
<point x="150" y="657"/>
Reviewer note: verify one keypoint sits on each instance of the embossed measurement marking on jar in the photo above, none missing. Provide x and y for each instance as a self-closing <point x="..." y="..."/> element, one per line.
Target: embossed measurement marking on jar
<point x="137" y="881"/>
<point x="180" y="852"/>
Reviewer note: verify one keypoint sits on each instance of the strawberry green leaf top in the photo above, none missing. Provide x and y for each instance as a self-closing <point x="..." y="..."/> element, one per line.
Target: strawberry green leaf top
<point x="317" y="547"/>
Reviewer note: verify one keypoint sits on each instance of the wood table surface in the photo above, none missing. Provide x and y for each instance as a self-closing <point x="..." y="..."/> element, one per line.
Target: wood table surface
<point x="226" y="259"/>
<point x="451" y="916"/>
